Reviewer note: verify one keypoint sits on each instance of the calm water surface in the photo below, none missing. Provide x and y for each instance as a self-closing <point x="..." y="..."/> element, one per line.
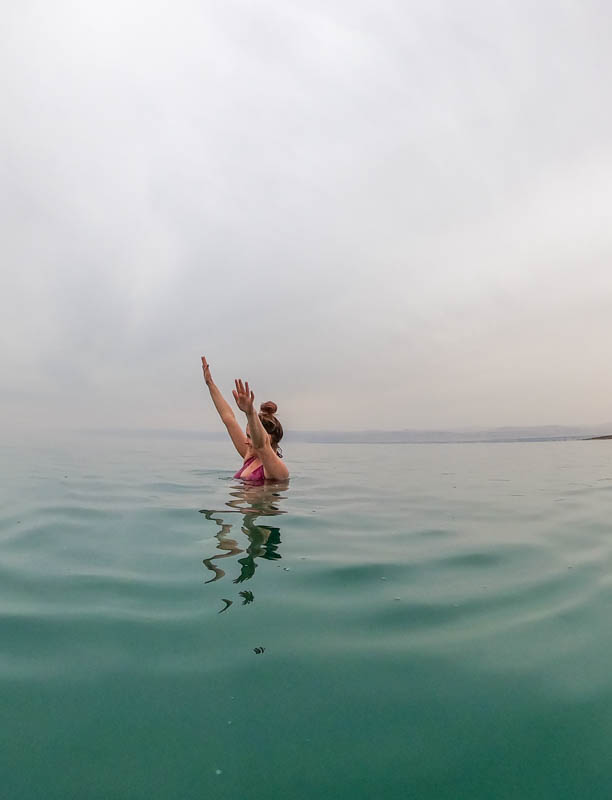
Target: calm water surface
<point x="432" y="621"/>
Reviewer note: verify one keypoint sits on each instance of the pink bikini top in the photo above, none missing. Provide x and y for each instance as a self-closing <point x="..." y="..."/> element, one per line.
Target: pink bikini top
<point x="257" y="475"/>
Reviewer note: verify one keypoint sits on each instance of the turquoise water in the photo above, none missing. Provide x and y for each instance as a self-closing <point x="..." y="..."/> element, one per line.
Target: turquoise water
<point x="434" y="621"/>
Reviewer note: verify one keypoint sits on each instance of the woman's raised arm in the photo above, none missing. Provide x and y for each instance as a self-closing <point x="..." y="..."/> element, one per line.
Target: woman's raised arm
<point x="225" y="411"/>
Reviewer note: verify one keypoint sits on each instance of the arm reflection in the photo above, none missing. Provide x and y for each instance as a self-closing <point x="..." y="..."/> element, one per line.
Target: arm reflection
<point x="252" y="502"/>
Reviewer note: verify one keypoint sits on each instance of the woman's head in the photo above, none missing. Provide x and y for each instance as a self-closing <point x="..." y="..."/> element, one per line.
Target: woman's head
<point x="267" y="412"/>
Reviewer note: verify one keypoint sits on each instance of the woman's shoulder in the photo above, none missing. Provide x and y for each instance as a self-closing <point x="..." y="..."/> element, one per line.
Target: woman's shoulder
<point x="274" y="467"/>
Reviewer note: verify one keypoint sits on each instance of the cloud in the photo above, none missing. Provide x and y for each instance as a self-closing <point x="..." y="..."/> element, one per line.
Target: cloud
<point x="385" y="217"/>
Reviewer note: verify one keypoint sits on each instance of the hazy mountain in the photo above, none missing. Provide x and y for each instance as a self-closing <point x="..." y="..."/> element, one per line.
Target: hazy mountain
<point x="407" y="436"/>
<point x="505" y="434"/>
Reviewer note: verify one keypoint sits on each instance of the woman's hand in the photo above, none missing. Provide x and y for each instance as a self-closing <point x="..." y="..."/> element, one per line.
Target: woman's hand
<point x="206" y="371"/>
<point x="243" y="396"/>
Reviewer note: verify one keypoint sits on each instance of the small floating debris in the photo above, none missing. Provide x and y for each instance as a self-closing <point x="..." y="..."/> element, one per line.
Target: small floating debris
<point x="383" y="579"/>
<point x="259" y="650"/>
<point x="286" y="569"/>
<point x="218" y="772"/>
<point x="397" y="598"/>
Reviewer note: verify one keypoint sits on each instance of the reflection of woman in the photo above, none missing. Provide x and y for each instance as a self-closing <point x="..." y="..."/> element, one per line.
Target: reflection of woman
<point x="259" y="450"/>
<point x="252" y="502"/>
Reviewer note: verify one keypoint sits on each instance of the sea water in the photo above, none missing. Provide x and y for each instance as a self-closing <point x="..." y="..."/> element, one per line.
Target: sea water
<point x="401" y="621"/>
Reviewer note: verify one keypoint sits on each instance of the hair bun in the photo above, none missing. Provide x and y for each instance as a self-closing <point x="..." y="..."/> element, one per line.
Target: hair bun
<point x="268" y="408"/>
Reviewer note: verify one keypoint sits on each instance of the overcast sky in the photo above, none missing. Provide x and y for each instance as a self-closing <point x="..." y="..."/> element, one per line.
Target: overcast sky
<point x="383" y="214"/>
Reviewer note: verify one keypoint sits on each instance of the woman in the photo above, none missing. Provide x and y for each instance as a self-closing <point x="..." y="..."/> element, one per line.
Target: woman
<point x="263" y="432"/>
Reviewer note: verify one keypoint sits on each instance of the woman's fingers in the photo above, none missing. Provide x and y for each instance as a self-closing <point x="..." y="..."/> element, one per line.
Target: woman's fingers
<point x="242" y="390"/>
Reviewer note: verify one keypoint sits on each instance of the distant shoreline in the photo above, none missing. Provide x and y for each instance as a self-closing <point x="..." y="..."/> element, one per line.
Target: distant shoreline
<point x="549" y="433"/>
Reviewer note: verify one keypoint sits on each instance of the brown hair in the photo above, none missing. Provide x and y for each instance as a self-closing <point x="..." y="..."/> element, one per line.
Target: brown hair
<point x="267" y="412"/>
